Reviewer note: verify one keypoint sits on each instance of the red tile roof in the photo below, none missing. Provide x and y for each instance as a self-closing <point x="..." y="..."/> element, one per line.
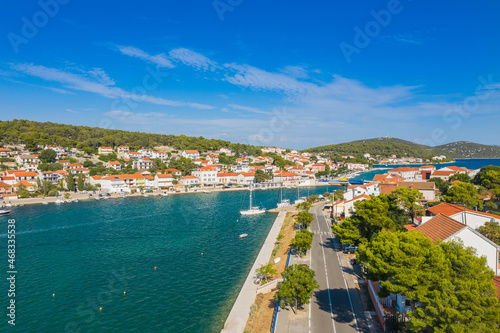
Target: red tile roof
<point x="167" y="175"/>
<point x="442" y="173"/>
<point x="440" y="227"/>
<point x="23" y="182"/>
<point x="449" y="209"/>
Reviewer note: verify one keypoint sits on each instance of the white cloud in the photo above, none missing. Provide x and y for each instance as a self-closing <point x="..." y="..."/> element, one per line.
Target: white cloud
<point x="159" y="59"/>
<point x="101" y="85"/>
<point x="247" y="108"/>
<point x="193" y="59"/>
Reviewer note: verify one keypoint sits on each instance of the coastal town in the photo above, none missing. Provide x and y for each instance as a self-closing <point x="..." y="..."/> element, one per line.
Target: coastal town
<point x="54" y="171"/>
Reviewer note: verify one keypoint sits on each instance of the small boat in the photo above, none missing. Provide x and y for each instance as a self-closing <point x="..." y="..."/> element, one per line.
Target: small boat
<point x="300" y="200"/>
<point x="205" y="191"/>
<point x="45" y="203"/>
<point x="8" y="205"/>
<point x="59" y="201"/>
<point x="164" y="194"/>
<point x="277" y="260"/>
<point x="75" y="200"/>
<point x="145" y="195"/>
<point x="284" y="202"/>
<point x="243" y="236"/>
<point x="4" y="212"/>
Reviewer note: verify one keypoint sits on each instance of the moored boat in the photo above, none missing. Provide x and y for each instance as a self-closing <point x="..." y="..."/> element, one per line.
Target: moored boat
<point x="252" y="210"/>
<point x="4" y="212"/>
<point x="243" y="236"/>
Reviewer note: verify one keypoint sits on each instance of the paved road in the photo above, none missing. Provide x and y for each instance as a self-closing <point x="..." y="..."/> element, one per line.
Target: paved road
<point x="333" y="308"/>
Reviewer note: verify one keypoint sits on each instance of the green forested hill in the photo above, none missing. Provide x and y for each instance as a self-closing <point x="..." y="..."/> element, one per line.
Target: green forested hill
<point x="34" y="133"/>
<point x="384" y="147"/>
<point x="471" y="150"/>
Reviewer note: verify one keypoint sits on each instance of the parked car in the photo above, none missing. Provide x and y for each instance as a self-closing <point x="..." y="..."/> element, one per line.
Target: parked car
<point x="351" y="249"/>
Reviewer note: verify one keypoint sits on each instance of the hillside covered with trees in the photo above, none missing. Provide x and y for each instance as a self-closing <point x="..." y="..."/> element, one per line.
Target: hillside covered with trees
<point x="33" y="133"/>
<point x="385" y="147"/>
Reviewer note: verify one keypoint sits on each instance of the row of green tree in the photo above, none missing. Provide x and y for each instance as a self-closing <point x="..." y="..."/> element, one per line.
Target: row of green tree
<point x="33" y="134"/>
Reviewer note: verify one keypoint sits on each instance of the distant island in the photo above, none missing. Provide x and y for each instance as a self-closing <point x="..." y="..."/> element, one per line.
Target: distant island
<point x="385" y="147"/>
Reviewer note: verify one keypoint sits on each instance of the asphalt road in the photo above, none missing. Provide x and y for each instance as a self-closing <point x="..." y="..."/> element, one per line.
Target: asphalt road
<point x="334" y="307"/>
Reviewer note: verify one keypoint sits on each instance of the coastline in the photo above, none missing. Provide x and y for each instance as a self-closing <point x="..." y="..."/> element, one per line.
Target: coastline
<point x="238" y="316"/>
<point x="85" y="196"/>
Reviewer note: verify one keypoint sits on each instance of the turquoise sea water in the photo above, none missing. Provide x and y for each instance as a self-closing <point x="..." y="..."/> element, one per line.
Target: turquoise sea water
<point x="468" y="163"/>
<point x="89" y="253"/>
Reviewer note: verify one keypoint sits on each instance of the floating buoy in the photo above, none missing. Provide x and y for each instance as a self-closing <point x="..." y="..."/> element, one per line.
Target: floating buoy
<point x="124" y="293"/>
<point x="53" y="295"/>
<point x="202" y="253"/>
<point x="100" y="309"/>
<point x="155" y="268"/>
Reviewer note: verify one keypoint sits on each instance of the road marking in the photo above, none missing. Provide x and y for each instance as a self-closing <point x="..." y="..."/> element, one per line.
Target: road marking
<point x="345" y="283"/>
<point x="328" y="285"/>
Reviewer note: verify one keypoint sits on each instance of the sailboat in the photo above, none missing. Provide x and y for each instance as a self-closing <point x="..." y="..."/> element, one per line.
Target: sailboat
<point x="283" y="203"/>
<point x="299" y="198"/>
<point x="252" y="210"/>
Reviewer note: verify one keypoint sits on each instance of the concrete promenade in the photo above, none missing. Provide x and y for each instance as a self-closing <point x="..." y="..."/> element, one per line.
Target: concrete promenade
<point x="238" y="317"/>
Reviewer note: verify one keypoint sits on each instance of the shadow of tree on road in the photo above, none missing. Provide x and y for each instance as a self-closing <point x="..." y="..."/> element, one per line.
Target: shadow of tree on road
<point x="341" y="307"/>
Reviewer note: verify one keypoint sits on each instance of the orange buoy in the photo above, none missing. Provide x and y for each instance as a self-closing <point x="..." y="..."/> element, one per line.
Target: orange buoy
<point x="53" y="295"/>
<point x="155" y="268"/>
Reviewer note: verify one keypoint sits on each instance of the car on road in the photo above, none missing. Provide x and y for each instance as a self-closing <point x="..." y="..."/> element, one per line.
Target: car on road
<point x="351" y="249"/>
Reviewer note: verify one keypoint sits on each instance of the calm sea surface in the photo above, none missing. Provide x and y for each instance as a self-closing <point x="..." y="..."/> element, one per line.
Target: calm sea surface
<point x="468" y="163"/>
<point x="89" y="253"/>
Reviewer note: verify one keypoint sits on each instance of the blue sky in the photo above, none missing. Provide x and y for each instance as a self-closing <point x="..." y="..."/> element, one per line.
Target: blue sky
<point x="285" y="73"/>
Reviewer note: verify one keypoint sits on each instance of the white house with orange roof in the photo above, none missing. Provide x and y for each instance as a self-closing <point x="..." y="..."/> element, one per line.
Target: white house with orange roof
<point x="206" y="174"/>
<point x="349" y="204"/>
<point x="105" y="150"/>
<point x="82" y="170"/>
<point x="30" y="187"/>
<point x="190" y="181"/>
<point x="472" y="218"/>
<point x="4" y="152"/>
<point x="227" y="177"/>
<point x="407" y="173"/>
<point x="245" y="178"/>
<point x="285" y="177"/>
<point x="64" y="163"/>
<point x="95" y="180"/>
<point x="132" y="155"/>
<point x="192" y="154"/>
<point x="163" y="180"/>
<point x="299" y="170"/>
<point x="73" y="166"/>
<point x="142" y="164"/>
<point x="214" y="159"/>
<point x="442" y="227"/>
<point x="444" y="175"/>
<point x="118" y="183"/>
<point x="24" y="159"/>
<point x="357" y="190"/>
<point x="20" y="175"/>
<point x="173" y="171"/>
<point x="114" y="165"/>
<point x="122" y="150"/>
